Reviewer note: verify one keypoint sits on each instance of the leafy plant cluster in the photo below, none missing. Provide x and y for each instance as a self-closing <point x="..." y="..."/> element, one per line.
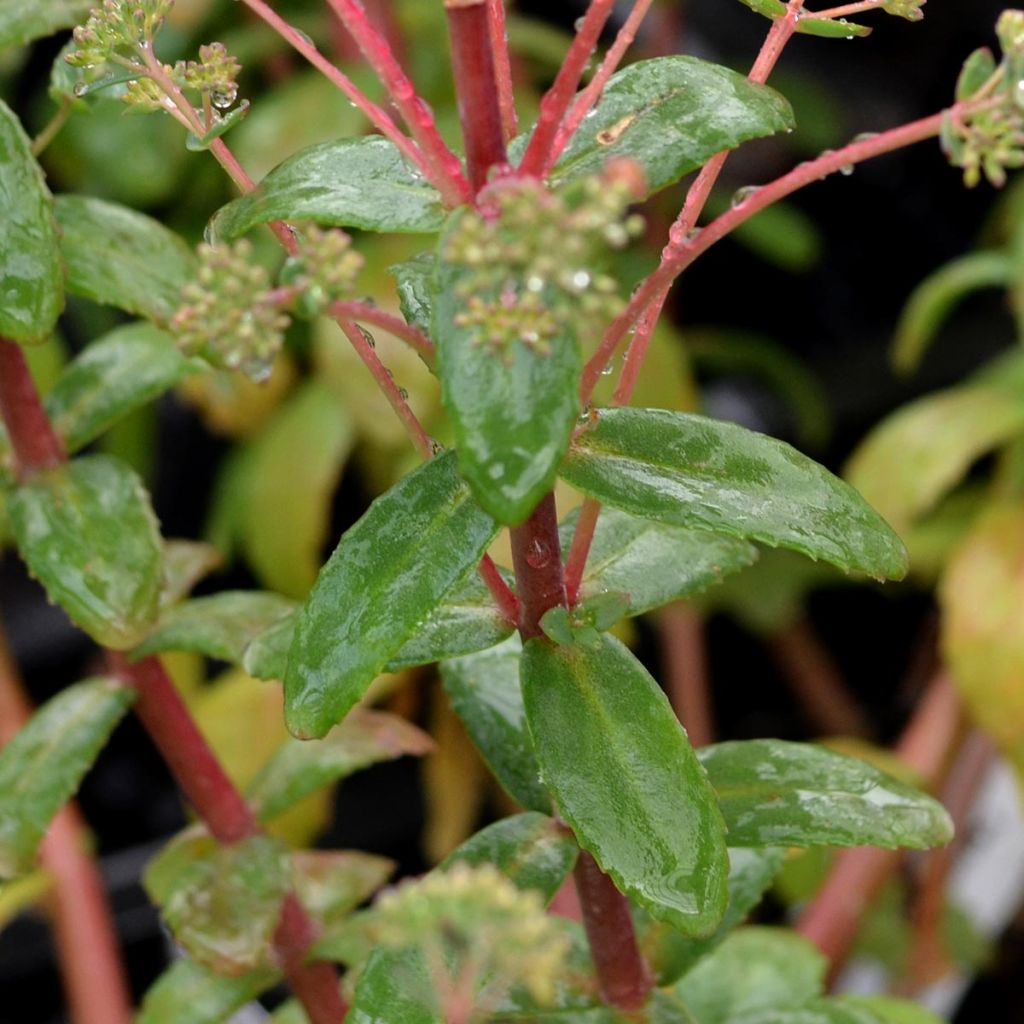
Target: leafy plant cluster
<point x="518" y="303"/>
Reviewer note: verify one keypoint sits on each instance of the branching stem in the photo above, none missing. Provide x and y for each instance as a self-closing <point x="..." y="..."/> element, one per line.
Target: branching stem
<point x="503" y="67"/>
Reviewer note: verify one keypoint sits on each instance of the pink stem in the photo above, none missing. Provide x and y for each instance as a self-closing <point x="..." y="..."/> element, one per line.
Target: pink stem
<point x="395" y="325"/>
<point x="588" y="99"/>
<point x="582" y="538"/>
<point x="840" y="12"/>
<point x="376" y="115"/>
<point x="556" y="100"/>
<point x="444" y="166"/>
<point x="503" y="68"/>
<point x="500" y="590"/>
<point x="36" y="444"/>
<point x="476" y="86"/>
<point x="686" y="671"/>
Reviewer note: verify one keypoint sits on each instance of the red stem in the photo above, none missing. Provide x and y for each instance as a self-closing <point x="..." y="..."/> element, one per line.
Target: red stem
<point x="537" y="558"/>
<point x="625" y="978"/>
<point x="684" y="655"/>
<point x="395" y="325"/>
<point x="503" y="67"/>
<point x="476" y="85"/>
<point x="582" y="538"/>
<point x="445" y="167"/>
<point x="36" y="444"/>
<point x="557" y="99"/>
<point x="500" y="591"/>
<point x="588" y="99"/>
<point x="90" y="962"/>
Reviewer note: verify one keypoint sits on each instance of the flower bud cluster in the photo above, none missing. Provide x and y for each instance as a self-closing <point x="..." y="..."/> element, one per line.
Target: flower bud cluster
<point x="117" y="29"/>
<point x="325" y="270"/>
<point x="474" y="918"/>
<point x="533" y="259"/>
<point x="230" y="316"/>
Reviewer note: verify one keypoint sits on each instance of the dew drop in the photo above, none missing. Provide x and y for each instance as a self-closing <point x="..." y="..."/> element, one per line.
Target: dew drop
<point x="305" y="37"/>
<point x="538" y="554"/>
<point x="580" y="280"/>
<point x="606" y="370"/>
<point x="403" y="394"/>
<point x="846" y="170"/>
<point x="369" y="339"/>
<point x="578" y="23"/>
<point x="741" y="195"/>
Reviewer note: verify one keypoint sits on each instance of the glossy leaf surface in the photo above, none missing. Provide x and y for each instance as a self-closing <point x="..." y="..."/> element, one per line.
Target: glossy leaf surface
<point x="22" y="22"/>
<point x="671" y="114"/>
<point x="219" y="626"/>
<point x="533" y="850"/>
<point x="415" y="279"/>
<point x="670" y="953"/>
<point x="221" y="902"/>
<point x="484" y="690"/>
<point x="286" y="549"/>
<point x="624" y="776"/>
<point x="775" y="793"/>
<point x="753" y="969"/>
<point x="920" y="452"/>
<point x="118" y="257"/>
<point x="512" y="410"/>
<point x="188" y="991"/>
<point x="42" y="766"/>
<point x="386" y="576"/>
<point x="652" y="562"/>
<point x="332" y="883"/>
<point x="115" y="375"/>
<point x="88" y="534"/>
<point x="360" y="183"/>
<point x="694" y="471"/>
<point x="30" y="268"/>
<point x="982" y="600"/>
<point x="300" y="768"/>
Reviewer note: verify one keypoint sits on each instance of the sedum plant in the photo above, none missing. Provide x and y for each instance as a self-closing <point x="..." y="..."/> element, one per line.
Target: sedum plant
<point x="519" y="309"/>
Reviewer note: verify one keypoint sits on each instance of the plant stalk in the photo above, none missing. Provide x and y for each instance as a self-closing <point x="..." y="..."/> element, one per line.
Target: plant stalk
<point x="36" y="444"/>
<point x="503" y="67"/>
<point x="684" y="655"/>
<point x="537" y="558"/>
<point x="476" y="86"/>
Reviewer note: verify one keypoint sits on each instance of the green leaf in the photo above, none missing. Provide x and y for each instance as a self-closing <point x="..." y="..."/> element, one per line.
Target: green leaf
<point x="512" y="411"/>
<point x="670" y="953"/>
<point x="623" y="775"/>
<point x="185" y="563"/>
<point x="531" y="849"/>
<point x="753" y="969"/>
<point x="360" y="183"/>
<point x="88" y="534"/>
<point x="386" y="576"/>
<point x="774" y="793"/>
<point x="188" y="991"/>
<point x="932" y="302"/>
<point x="919" y="453"/>
<point x="22" y="22"/>
<point x="301" y="768"/>
<point x="118" y="257"/>
<point x="484" y="690"/>
<point x="671" y="114"/>
<point x="220" y="626"/>
<point x="42" y="766"/>
<point x="332" y="883"/>
<point x="222" y="903"/>
<point x="394" y="986"/>
<point x="415" y="279"/>
<point x="30" y="268"/>
<point x="839" y="1010"/>
<point x="115" y="375"/>
<point x="652" y="562"/>
<point x="694" y="471"/>
<point x="662" y="1008"/>
<point x="891" y="1011"/>
<point x="824" y="27"/>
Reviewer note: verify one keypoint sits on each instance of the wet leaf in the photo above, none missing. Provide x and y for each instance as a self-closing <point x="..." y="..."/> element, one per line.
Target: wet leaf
<point x="775" y="793"/>
<point x="824" y="27"/>
<point x="360" y="183"/>
<point x="694" y="471"/>
<point x="652" y="562"/>
<point x="386" y="576"/>
<point x="188" y="991"/>
<point x="30" y="268"/>
<point x="753" y="969"/>
<point x="42" y="766"/>
<point x="332" y="883"/>
<point x="300" y="768"/>
<point x="285" y="516"/>
<point x="115" y="375"/>
<point x="531" y="849"/>
<point x="982" y="600"/>
<point x="118" y="257"/>
<point x="221" y="902"/>
<point x="624" y="776"/>
<point x="415" y="279"/>
<point x="670" y="953"/>
<point x="922" y="451"/>
<point x="219" y="626"/>
<point x="88" y="534"/>
<point x="512" y="410"/>
<point x="394" y="986"/>
<point x="484" y="690"/>
<point x="671" y="114"/>
<point x="22" y="22"/>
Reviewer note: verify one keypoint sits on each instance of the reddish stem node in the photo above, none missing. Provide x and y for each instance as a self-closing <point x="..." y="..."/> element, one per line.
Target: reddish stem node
<point x="537" y="558"/>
